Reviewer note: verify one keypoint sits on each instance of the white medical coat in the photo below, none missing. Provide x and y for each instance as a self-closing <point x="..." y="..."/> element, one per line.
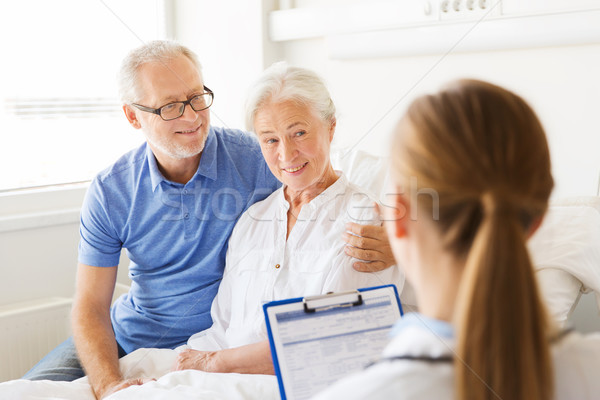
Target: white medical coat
<point x="576" y="366"/>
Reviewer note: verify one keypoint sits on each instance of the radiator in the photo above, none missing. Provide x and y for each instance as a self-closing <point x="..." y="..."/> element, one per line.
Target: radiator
<point x="28" y="331"/>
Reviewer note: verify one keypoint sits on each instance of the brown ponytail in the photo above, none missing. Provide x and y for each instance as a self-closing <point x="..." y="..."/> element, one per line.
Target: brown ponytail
<point x="502" y="349"/>
<point x="484" y="152"/>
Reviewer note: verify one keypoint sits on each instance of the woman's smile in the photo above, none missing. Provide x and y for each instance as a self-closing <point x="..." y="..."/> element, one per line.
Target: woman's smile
<point x="295" y="170"/>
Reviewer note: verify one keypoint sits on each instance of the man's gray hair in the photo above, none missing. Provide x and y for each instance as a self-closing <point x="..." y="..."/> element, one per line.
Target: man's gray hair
<point x="281" y="82"/>
<point x="154" y="51"/>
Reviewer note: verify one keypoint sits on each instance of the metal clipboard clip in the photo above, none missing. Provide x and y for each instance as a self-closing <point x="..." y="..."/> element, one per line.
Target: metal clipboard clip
<point x="332" y="300"/>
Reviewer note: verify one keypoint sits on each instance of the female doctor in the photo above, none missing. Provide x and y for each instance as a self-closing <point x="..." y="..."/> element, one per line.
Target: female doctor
<point x="472" y="180"/>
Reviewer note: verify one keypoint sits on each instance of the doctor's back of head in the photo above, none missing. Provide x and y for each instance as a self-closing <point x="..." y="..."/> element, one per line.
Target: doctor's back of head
<point x="482" y="152"/>
<point x="472" y="179"/>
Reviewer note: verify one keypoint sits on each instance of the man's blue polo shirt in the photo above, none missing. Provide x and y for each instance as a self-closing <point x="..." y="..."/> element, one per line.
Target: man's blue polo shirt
<point x="175" y="235"/>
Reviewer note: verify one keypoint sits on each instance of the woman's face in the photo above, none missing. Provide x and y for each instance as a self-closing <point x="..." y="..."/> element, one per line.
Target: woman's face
<point x="295" y="143"/>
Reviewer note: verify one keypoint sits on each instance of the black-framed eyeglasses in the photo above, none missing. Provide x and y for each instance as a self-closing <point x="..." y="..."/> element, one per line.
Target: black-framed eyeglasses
<point x="176" y="109"/>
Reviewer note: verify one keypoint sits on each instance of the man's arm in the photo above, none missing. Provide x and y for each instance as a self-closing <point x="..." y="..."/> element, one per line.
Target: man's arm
<point x="369" y="243"/>
<point x="92" y="329"/>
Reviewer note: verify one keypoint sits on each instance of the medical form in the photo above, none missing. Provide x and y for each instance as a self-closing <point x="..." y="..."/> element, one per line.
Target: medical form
<point x="316" y="341"/>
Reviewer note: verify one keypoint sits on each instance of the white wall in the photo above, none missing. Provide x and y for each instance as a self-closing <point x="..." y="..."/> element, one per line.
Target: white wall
<point x="38" y="263"/>
<point x="39" y="233"/>
<point x="561" y="84"/>
<point x="231" y="42"/>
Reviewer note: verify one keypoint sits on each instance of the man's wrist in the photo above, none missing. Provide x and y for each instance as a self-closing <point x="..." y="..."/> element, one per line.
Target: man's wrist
<point x="105" y="386"/>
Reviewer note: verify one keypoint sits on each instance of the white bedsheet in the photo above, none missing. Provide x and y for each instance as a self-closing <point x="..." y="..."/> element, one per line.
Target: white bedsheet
<point x="153" y="363"/>
<point x="203" y="385"/>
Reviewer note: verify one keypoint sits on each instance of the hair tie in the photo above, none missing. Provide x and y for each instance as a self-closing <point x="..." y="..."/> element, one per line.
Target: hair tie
<point x="494" y="203"/>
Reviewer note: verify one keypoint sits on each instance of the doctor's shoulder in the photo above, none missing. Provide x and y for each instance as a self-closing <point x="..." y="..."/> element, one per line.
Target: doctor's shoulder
<point x="396" y="380"/>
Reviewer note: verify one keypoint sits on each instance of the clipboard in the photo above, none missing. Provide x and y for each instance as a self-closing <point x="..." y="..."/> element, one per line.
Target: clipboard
<point x="319" y="339"/>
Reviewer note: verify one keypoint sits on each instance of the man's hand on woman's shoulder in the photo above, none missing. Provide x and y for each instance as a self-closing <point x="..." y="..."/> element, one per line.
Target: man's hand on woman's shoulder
<point x="370" y="244"/>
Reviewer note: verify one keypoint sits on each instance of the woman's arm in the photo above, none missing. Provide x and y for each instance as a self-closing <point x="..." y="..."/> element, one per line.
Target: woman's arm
<point x="249" y="359"/>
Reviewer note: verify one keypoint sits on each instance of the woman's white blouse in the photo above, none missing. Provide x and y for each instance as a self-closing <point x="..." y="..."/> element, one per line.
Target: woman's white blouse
<point x="415" y="365"/>
<point x="261" y="265"/>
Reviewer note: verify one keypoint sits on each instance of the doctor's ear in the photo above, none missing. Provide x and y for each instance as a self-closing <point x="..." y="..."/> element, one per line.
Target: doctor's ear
<point x="403" y="212"/>
<point x="396" y="215"/>
<point x="534" y="226"/>
<point x="131" y="116"/>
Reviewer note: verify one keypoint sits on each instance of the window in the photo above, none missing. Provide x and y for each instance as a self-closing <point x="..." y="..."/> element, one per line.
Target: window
<point x="60" y="114"/>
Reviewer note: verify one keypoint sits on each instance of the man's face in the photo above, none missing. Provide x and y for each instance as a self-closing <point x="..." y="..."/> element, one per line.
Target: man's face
<point x="161" y="83"/>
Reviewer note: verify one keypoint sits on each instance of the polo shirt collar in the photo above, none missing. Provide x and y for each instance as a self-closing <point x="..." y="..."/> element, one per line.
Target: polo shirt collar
<point x="156" y="177"/>
<point x="208" y="161"/>
<point x="207" y="166"/>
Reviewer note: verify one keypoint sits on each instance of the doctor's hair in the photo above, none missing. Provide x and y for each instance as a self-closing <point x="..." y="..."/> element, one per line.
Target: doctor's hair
<point x="281" y="82"/>
<point x="484" y="151"/>
<point x="154" y="51"/>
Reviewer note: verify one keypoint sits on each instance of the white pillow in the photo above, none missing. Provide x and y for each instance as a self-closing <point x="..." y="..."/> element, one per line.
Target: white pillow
<point x="566" y="253"/>
<point x="365" y="170"/>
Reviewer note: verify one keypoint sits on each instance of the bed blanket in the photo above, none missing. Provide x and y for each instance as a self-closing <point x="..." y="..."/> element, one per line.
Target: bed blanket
<point x="154" y="363"/>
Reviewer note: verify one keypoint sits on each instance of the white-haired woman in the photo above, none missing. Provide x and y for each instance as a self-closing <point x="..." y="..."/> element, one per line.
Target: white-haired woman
<point x="289" y="244"/>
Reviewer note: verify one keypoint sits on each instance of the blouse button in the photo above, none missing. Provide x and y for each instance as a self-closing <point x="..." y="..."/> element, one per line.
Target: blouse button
<point x="277" y="265"/>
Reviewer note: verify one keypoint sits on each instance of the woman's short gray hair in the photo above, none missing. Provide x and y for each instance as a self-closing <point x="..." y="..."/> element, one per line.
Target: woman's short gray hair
<point x="281" y="82"/>
<point x="154" y="51"/>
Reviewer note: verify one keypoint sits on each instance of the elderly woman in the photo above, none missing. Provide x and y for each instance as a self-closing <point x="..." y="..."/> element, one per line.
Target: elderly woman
<point x="289" y="244"/>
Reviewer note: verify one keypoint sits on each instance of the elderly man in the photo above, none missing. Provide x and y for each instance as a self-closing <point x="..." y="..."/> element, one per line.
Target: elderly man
<point x="172" y="204"/>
